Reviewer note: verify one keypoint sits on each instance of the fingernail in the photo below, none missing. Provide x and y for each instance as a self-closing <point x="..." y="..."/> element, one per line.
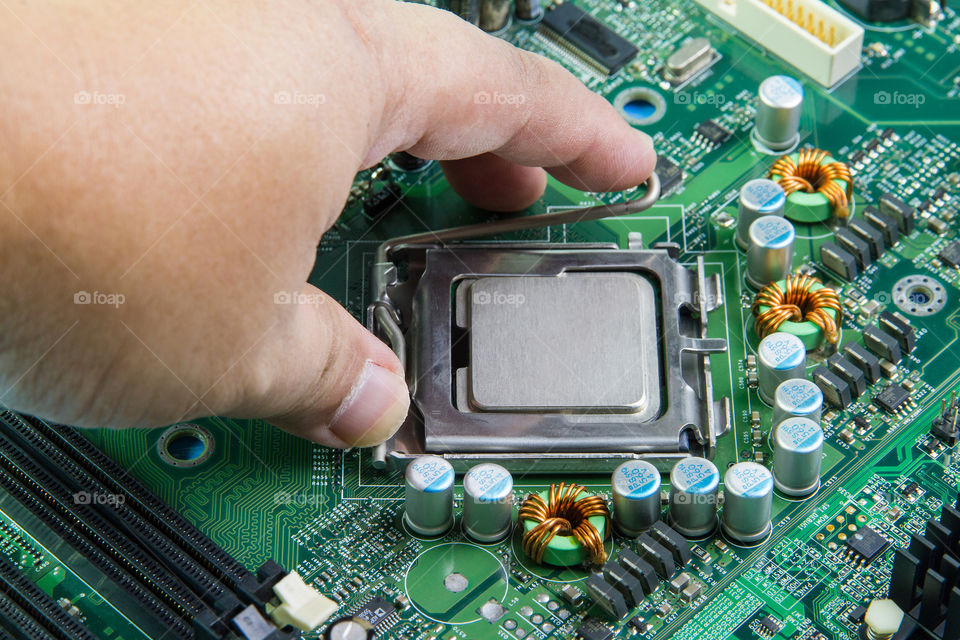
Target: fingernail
<point x="374" y="409"/>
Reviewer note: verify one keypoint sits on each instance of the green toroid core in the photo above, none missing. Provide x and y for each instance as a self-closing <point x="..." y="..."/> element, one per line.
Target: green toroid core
<point x="566" y="551"/>
<point x="808" y="208"/>
<point x="809" y="333"/>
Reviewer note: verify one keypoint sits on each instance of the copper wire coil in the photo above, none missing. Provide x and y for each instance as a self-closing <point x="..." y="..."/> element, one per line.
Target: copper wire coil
<point x="798" y="302"/>
<point x="562" y="514"/>
<point x="810" y="175"/>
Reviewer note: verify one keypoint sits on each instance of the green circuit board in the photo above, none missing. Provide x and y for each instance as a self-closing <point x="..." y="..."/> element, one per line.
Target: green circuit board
<point x="335" y="518"/>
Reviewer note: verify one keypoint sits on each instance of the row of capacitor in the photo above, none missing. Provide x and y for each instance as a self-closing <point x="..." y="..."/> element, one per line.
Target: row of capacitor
<point x="494" y="15"/>
<point x="693" y="500"/>
<point x="695" y="482"/>
<point x="762" y="231"/>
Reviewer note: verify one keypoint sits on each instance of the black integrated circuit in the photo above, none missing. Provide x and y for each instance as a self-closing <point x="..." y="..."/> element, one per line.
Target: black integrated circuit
<point x="950" y="254"/>
<point x="770" y="626"/>
<point x="866" y="545"/>
<point x="856" y="614"/>
<point x="590" y="39"/>
<point x="712" y="132"/>
<point x="593" y="629"/>
<point x="670" y="174"/>
<point x="892" y="398"/>
<point x="375" y="611"/>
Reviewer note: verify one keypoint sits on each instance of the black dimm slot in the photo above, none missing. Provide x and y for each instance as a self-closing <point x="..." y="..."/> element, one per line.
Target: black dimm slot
<point x="3" y="634"/>
<point x="127" y="552"/>
<point x="96" y="557"/>
<point x="43" y="608"/>
<point x="18" y="621"/>
<point x="152" y="508"/>
<point x="164" y="597"/>
<point x="168" y="554"/>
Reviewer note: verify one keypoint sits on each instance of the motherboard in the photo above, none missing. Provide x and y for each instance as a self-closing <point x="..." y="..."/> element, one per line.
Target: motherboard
<point x="719" y="405"/>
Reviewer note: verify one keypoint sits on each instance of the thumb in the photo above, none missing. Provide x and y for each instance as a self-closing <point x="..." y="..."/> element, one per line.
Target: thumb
<point x="329" y="379"/>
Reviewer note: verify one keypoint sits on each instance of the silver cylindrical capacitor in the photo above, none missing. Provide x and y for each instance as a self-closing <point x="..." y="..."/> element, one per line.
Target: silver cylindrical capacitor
<point x="798" y="398"/>
<point x="429" y="496"/>
<point x="350" y="629"/>
<point x="781" y="356"/>
<point x="528" y="9"/>
<point x="747" y="502"/>
<point x="636" y="497"/>
<point x="770" y="250"/>
<point x="693" y="497"/>
<point x="797" y="455"/>
<point x="487" y="502"/>
<point x="779" y="105"/>
<point x="760" y="197"/>
<point x="494" y="14"/>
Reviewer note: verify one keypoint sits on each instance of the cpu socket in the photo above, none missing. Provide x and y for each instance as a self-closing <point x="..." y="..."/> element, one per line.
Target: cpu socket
<point x="546" y="358"/>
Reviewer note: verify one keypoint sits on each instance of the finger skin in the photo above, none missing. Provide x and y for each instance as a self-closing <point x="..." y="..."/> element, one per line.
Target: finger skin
<point x="486" y="96"/>
<point x="186" y="158"/>
<point x="331" y="404"/>
<point x="491" y="182"/>
<point x="198" y="199"/>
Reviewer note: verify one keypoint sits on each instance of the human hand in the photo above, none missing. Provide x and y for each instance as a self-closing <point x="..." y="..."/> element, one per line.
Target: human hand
<point x="147" y="158"/>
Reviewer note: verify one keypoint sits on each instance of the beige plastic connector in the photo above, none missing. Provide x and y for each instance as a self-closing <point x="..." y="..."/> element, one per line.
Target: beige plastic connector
<point x="813" y="37"/>
<point x="883" y="619"/>
<point x="300" y="604"/>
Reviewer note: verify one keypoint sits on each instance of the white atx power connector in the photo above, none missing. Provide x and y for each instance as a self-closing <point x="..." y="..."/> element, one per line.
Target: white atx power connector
<point x="819" y="41"/>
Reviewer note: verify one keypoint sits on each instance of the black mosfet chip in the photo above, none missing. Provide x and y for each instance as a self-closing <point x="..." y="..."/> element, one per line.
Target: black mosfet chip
<point x="903" y="213"/>
<point x="590" y="38"/>
<point x="669" y="173"/>
<point x="892" y="398"/>
<point x="712" y="132"/>
<point x="866" y="544"/>
<point x="375" y="611"/>
<point x="950" y="254"/>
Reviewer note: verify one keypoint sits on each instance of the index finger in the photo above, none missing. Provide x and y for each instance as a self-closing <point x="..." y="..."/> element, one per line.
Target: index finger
<point x="455" y="92"/>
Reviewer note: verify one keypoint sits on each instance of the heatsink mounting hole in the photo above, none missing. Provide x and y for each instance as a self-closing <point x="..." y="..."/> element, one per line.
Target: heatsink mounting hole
<point x="185" y="445"/>
<point x="640" y="106"/>
<point x="919" y="295"/>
